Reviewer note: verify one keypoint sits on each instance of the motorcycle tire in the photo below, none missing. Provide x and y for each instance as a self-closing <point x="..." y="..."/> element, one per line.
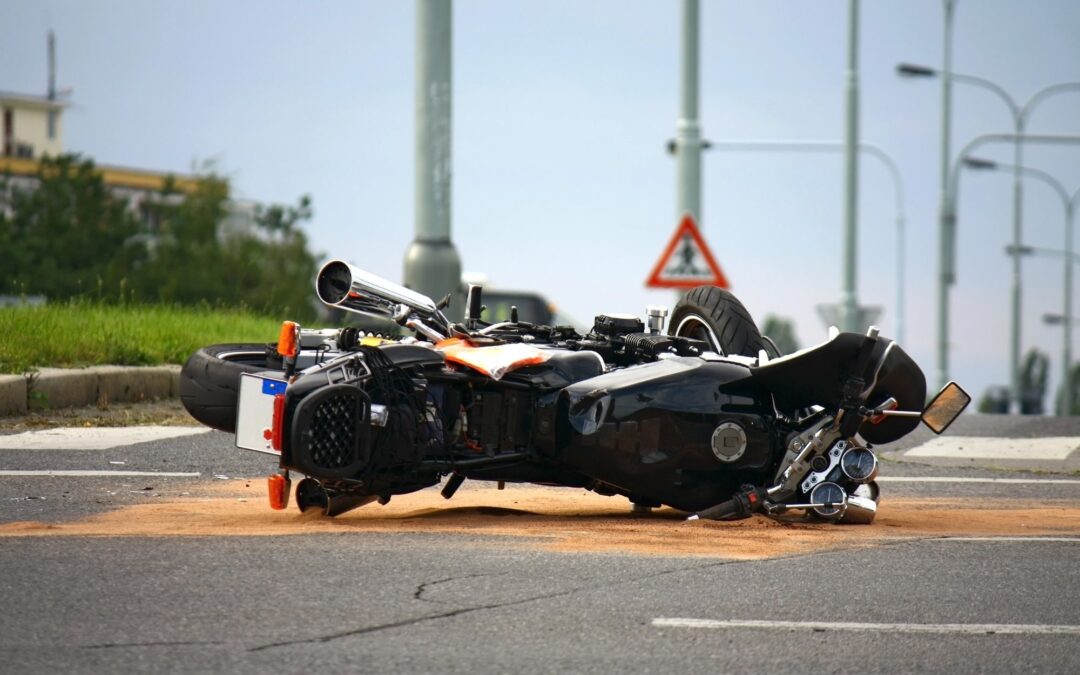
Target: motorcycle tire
<point x="716" y="316"/>
<point x="210" y="381"/>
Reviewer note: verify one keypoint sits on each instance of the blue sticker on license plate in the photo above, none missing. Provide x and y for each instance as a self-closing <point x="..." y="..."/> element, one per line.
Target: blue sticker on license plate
<point x="273" y="387"/>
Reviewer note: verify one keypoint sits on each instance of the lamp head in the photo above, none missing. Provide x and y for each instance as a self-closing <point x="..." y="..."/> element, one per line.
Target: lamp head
<point x="913" y="70"/>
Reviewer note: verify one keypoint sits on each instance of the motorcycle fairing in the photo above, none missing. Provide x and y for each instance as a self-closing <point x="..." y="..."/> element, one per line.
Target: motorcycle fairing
<point x="815" y="376"/>
<point x="647" y="429"/>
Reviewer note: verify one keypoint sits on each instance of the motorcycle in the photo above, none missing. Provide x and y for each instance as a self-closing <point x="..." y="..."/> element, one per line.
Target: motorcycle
<point x="703" y="415"/>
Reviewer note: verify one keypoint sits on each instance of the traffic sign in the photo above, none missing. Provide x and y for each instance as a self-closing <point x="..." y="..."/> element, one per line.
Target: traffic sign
<point x="687" y="261"/>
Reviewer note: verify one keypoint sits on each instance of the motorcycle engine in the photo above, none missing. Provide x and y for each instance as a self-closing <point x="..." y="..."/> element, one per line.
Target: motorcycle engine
<point x="617" y="325"/>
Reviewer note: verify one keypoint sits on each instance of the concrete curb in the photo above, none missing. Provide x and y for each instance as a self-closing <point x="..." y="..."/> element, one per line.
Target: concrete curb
<point x="66" y="388"/>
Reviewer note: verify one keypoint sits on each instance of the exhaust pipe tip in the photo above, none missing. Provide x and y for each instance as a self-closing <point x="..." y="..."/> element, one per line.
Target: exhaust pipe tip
<point x="334" y="282"/>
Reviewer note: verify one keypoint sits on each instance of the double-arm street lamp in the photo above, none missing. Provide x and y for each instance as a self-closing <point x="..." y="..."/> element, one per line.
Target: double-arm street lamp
<point x="947" y="257"/>
<point x="1069" y="203"/>
<point x="1020" y="114"/>
<point x="816" y="146"/>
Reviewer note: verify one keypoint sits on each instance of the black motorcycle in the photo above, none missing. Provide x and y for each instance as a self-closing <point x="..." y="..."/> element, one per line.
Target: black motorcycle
<point x="706" y="417"/>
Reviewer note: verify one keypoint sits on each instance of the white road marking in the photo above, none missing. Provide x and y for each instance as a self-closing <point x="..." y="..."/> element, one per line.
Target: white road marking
<point x="1070" y="540"/>
<point x="962" y="628"/>
<point x="979" y="447"/>
<point x="962" y="479"/>
<point x="107" y="474"/>
<point x="92" y="438"/>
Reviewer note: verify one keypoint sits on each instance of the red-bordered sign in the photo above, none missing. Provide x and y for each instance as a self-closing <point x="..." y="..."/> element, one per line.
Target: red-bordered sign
<point x="687" y="261"/>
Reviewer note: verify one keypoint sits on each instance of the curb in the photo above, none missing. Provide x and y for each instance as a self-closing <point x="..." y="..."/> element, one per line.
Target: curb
<point x="67" y="388"/>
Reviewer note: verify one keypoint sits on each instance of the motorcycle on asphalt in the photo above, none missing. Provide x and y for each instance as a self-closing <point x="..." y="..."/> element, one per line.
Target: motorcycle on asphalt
<point x="694" y="410"/>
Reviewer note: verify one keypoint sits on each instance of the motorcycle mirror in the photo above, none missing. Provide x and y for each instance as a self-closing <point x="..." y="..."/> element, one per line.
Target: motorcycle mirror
<point x="945" y="407"/>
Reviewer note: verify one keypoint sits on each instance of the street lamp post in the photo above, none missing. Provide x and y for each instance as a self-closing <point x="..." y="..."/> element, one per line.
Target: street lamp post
<point x="1069" y="204"/>
<point x="870" y="149"/>
<point x="1020" y="114"/>
<point x="948" y="233"/>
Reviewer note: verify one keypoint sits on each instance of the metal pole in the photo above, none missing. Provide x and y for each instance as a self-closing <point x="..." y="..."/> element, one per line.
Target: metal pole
<point x="1014" y="335"/>
<point x="432" y="265"/>
<point x="1066" y="346"/>
<point x="947" y="220"/>
<point x="848" y="301"/>
<point x="838" y="146"/>
<point x="687" y="128"/>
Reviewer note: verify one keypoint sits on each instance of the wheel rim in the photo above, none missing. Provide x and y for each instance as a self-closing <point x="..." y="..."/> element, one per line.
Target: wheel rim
<point x="695" y="326"/>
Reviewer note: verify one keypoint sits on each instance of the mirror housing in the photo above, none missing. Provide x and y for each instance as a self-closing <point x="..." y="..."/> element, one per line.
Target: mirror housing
<point x="944" y="408"/>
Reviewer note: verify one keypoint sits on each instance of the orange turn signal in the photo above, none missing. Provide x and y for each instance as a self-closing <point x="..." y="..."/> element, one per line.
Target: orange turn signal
<point x="278" y="487"/>
<point x="287" y="339"/>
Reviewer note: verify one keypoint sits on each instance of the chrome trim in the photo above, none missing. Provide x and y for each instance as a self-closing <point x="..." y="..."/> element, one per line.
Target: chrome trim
<point x="700" y="319"/>
<point x="428" y="332"/>
<point x="340" y="284"/>
<point x="859" y="511"/>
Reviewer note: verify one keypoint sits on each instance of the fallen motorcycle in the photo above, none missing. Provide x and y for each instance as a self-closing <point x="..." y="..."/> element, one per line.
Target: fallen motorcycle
<point x="706" y="417"/>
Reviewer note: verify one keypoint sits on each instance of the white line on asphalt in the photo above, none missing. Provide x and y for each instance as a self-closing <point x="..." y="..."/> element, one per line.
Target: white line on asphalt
<point x="962" y="479"/>
<point x="1071" y="540"/>
<point x="92" y="438"/>
<point x="963" y="628"/>
<point x="980" y="447"/>
<point x="104" y="474"/>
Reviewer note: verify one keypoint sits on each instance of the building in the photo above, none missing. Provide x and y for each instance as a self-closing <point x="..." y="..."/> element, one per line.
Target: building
<point x="32" y="125"/>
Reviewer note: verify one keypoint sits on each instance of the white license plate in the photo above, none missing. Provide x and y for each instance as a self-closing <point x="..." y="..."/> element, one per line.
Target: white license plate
<point x="255" y="411"/>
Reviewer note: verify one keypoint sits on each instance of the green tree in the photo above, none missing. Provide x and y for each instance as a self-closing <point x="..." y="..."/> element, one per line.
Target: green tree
<point x="782" y="331"/>
<point x="1033" y="382"/>
<point x="70" y="235"/>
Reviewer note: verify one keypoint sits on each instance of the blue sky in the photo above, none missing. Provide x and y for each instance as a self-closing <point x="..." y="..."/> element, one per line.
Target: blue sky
<point x="561" y="112"/>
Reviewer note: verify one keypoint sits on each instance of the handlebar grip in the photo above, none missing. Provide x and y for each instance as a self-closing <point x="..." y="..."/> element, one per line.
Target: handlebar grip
<point x="722" y="511"/>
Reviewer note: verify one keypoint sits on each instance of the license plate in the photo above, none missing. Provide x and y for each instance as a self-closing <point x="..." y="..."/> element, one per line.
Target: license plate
<point x="255" y="411"/>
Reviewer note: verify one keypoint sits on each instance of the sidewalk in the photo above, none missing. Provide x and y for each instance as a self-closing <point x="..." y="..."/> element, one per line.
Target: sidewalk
<point x="51" y="388"/>
<point x="1017" y="443"/>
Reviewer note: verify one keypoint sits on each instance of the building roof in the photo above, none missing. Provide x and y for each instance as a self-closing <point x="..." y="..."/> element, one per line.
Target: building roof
<point x="32" y="101"/>
<point x="138" y="179"/>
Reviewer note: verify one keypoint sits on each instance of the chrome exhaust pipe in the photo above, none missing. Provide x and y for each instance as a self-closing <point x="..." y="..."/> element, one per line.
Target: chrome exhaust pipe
<point x="310" y="494"/>
<point x="345" y="286"/>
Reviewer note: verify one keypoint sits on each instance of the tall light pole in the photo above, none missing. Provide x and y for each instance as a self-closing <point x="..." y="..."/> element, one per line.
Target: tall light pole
<point x="1020" y="114"/>
<point x="848" y="301"/>
<point x="1069" y="204"/>
<point x="687" y="146"/>
<point x="768" y="145"/>
<point x="432" y="265"/>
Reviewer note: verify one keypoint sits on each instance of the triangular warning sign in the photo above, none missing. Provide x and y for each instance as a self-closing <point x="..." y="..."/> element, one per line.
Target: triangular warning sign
<point x="687" y="261"/>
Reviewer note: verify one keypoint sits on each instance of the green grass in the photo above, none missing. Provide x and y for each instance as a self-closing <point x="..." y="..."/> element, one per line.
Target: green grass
<point x="88" y="333"/>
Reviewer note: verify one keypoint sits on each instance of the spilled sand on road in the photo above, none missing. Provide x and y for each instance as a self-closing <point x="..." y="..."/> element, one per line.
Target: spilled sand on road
<point x="566" y="520"/>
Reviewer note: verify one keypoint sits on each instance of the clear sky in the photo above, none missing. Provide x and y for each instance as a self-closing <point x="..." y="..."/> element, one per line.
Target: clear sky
<point x="561" y="112"/>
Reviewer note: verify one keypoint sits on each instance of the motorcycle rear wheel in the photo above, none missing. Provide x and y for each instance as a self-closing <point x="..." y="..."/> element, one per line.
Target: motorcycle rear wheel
<point x="716" y="316"/>
<point x="210" y="381"/>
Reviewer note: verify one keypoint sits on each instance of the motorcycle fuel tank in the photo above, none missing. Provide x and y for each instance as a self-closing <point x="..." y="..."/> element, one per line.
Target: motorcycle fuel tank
<point x="680" y="431"/>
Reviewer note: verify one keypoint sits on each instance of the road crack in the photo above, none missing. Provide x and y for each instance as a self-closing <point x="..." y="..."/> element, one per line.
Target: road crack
<point x="322" y="639"/>
<point x="422" y="588"/>
<point x="160" y="643"/>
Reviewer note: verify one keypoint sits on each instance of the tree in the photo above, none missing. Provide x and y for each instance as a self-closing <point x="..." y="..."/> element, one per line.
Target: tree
<point x="782" y="332"/>
<point x="1033" y="382"/>
<point x="69" y="235"/>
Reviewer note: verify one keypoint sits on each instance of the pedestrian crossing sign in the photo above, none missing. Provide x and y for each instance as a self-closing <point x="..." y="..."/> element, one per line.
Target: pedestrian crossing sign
<point x="687" y="261"/>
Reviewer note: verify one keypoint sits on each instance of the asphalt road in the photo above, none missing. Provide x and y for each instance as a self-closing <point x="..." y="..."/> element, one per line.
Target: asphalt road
<point x="457" y="603"/>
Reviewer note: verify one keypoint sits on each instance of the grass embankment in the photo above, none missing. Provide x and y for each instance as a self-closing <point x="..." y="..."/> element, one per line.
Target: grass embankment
<point x="86" y="333"/>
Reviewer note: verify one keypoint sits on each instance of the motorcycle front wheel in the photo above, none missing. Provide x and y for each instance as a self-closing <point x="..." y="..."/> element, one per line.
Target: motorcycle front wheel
<point x="716" y="316"/>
